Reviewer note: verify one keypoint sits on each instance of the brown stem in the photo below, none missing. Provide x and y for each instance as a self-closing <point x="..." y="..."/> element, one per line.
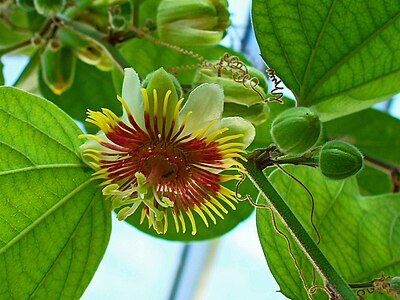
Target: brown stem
<point x="392" y="170"/>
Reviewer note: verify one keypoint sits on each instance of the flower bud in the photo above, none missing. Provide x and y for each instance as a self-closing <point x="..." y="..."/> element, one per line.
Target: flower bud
<point x="189" y="23"/>
<point x="58" y="68"/>
<point x="296" y="130"/>
<point x="339" y="160"/>
<point x="234" y="92"/>
<point x="49" y="7"/>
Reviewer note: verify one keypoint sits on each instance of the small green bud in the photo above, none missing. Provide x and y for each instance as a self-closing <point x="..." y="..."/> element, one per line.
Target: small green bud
<point x="296" y="130"/>
<point x="49" y="7"/>
<point x="339" y="160"/>
<point x="58" y="68"/>
<point x="234" y="92"/>
<point x="160" y="76"/>
<point x="191" y="23"/>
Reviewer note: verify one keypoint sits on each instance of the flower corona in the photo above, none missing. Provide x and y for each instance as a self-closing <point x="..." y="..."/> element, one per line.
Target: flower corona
<point x="162" y="159"/>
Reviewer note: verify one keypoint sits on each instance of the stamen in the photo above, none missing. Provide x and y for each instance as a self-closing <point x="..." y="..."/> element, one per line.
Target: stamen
<point x="198" y="210"/>
<point x="228" y="138"/>
<point x="214" y="134"/>
<point x="191" y="218"/>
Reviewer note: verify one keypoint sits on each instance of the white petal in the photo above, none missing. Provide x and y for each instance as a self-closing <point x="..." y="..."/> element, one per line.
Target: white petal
<point x="239" y="125"/>
<point x="133" y="97"/>
<point x="206" y="103"/>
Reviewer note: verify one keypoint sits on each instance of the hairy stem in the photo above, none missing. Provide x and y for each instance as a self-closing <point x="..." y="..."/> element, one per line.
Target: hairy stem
<point x="332" y="278"/>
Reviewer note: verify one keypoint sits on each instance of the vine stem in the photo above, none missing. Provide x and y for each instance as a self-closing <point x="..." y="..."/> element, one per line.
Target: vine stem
<point x="333" y="280"/>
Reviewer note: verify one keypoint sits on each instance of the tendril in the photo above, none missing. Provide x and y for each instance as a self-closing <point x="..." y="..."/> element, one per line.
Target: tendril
<point x="275" y="91"/>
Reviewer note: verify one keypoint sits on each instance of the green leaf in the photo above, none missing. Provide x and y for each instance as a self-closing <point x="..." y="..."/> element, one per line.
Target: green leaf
<point x="374" y="132"/>
<point x="359" y="235"/>
<point x="340" y="56"/>
<point x="92" y="89"/>
<point x="14" y="25"/>
<point x="54" y="222"/>
<point x="231" y="220"/>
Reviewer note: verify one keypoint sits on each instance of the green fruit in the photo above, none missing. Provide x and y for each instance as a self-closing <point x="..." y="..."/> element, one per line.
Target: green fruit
<point x="296" y="130"/>
<point x="48" y="7"/>
<point x="58" y="68"/>
<point x="339" y="160"/>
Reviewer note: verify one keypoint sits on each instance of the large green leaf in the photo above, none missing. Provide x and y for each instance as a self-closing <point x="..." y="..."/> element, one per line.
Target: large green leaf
<point x="92" y="89"/>
<point x="54" y="222"/>
<point x="360" y="235"/>
<point x="341" y="56"/>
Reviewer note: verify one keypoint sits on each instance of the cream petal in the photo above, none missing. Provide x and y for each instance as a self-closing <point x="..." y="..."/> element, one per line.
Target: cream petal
<point x="238" y="125"/>
<point x="133" y="97"/>
<point x="207" y="104"/>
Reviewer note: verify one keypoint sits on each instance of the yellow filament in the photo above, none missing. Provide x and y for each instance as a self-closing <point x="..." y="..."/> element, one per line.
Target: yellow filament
<point x="155" y="103"/>
<point x="223" y="198"/>
<point x="200" y="132"/>
<point x="166" y="99"/>
<point x="230" y="145"/>
<point x="177" y="107"/>
<point x="234" y="155"/>
<point x="218" y="204"/>
<point x="208" y="212"/>
<point x="225" y="178"/>
<point x="128" y="111"/>
<point x="175" y="220"/>
<point x="111" y="115"/>
<point x="198" y="210"/>
<point x="191" y="218"/>
<point x="227" y="192"/>
<point x="228" y="138"/>
<point x="145" y="100"/>
<point x="214" y="134"/>
<point x="232" y="150"/>
<point x="91" y="136"/>
<point x="214" y="209"/>
<point x="180" y="216"/>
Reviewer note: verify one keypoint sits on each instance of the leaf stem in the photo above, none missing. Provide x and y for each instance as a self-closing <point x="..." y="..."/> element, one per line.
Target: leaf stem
<point x="333" y="280"/>
<point x="98" y="38"/>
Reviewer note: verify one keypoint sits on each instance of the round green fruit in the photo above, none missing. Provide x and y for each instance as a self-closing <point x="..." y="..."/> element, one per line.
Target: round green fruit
<point x="340" y="160"/>
<point x="296" y="130"/>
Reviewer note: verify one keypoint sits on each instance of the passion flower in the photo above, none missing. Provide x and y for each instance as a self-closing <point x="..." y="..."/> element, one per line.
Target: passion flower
<point x="296" y="130"/>
<point x="339" y="160"/>
<point x="166" y="160"/>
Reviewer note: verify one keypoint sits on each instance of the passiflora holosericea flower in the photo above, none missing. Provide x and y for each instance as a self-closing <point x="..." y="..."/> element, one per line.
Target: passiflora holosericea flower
<point x="161" y="158"/>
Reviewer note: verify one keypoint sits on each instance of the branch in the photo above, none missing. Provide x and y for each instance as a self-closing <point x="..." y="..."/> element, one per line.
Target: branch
<point x="333" y="279"/>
